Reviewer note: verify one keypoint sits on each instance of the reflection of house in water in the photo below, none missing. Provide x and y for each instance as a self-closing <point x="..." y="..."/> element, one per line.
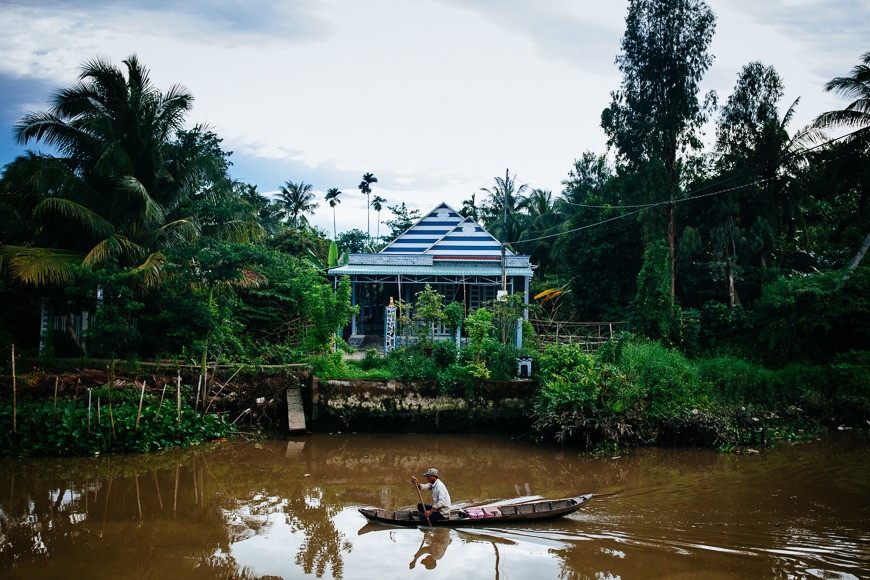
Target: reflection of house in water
<point x="456" y="256"/>
<point x="434" y="545"/>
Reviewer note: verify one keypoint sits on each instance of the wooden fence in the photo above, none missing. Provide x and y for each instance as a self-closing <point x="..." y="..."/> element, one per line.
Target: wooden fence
<point x="591" y="335"/>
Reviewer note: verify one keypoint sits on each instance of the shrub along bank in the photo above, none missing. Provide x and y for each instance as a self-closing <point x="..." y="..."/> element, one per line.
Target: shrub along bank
<point x="636" y="391"/>
<point x="77" y="428"/>
<point x="81" y="416"/>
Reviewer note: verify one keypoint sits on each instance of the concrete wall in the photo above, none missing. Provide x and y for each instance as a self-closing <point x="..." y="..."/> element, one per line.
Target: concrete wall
<point x="417" y="406"/>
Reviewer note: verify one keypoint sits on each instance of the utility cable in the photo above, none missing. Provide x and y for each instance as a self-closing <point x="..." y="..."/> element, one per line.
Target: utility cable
<point x="690" y="196"/>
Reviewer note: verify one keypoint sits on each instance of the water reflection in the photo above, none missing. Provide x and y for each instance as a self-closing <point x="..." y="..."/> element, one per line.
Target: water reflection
<point x="432" y="548"/>
<point x="288" y="509"/>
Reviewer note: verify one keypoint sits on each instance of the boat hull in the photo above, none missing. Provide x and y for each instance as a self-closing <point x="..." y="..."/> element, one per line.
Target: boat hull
<point x="511" y="513"/>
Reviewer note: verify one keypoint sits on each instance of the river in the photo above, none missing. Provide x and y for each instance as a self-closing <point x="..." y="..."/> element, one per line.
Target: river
<point x="288" y="509"/>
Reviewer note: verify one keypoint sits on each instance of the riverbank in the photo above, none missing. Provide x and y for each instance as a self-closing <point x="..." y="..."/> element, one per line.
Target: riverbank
<point x="640" y="395"/>
<point x="75" y="412"/>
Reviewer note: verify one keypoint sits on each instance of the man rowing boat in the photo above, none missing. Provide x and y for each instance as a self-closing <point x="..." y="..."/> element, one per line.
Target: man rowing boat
<point x="440" y="507"/>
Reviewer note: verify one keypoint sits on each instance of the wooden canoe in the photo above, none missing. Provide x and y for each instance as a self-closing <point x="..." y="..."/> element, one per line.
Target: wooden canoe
<point x="510" y="513"/>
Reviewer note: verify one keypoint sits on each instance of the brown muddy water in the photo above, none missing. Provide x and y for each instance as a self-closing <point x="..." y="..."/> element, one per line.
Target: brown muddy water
<point x="289" y="509"/>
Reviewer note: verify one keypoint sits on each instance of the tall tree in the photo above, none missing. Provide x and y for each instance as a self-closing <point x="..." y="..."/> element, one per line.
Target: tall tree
<point x="656" y="113"/>
<point x="504" y="209"/>
<point x="856" y="115"/>
<point x="378" y="204"/>
<point x="602" y="263"/>
<point x="470" y="208"/>
<point x="297" y="199"/>
<point x="542" y="230"/>
<point x="365" y="186"/>
<point x="403" y="218"/>
<point x="113" y="194"/>
<point x="268" y="212"/>
<point x="332" y="197"/>
<point x="750" y="140"/>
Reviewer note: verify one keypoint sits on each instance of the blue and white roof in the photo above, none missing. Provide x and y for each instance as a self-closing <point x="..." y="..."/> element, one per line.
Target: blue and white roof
<point x="443" y="233"/>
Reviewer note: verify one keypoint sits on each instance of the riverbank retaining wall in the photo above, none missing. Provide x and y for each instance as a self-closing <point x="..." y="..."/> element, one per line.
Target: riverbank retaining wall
<point x="416" y="406"/>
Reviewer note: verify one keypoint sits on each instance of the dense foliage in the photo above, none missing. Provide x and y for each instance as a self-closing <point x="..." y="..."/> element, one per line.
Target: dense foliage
<point x="90" y="424"/>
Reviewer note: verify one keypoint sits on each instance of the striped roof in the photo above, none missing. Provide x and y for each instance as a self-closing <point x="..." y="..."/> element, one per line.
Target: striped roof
<point x="443" y="232"/>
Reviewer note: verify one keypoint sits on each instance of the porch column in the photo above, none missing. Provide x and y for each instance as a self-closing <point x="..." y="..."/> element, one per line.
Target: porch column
<point x="353" y="303"/>
<point x="362" y="309"/>
<point x="526" y="296"/>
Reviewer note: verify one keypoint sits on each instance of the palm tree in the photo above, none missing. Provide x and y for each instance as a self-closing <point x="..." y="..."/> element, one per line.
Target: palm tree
<point x="378" y="204"/>
<point x="297" y="200"/>
<point x="544" y="220"/>
<point x="470" y="209"/>
<point x="332" y="197"/>
<point x="506" y="202"/>
<point x="366" y="187"/>
<point x="857" y="113"/>
<point x="114" y="193"/>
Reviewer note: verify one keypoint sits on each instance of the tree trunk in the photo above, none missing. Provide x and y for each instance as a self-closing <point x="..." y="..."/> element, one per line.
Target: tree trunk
<point x="672" y="228"/>
<point x="857" y="260"/>
<point x="71" y="329"/>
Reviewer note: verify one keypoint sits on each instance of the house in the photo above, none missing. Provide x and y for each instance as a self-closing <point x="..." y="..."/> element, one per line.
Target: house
<point x="455" y="255"/>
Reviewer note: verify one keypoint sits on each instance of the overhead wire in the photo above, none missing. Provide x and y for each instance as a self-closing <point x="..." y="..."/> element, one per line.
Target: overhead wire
<point x="691" y="195"/>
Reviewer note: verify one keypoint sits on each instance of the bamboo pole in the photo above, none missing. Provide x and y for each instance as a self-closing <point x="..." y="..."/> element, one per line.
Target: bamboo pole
<point x="219" y="390"/>
<point x="196" y="404"/>
<point x="141" y="397"/>
<point x="14" y="395"/>
<point x="160" y="406"/>
<point x="54" y="418"/>
<point x="89" y="411"/>
<point x="179" y="398"/>
<point x="420" y="495"/>
<point x="109" y="385"/>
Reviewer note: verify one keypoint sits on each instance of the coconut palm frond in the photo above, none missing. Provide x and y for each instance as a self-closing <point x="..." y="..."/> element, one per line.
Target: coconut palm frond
<point x="93" y="222"/>
<point x="112" y="247"/>
<point x="152" y="270"/>
<point x="41" y="266"/>
<point x="178" y="233"/>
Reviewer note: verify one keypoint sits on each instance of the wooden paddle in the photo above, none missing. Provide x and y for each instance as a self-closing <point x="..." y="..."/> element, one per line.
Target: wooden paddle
<point x="422" y="503"/>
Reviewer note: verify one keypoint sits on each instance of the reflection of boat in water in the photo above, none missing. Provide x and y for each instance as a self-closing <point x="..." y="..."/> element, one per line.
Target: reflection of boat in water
<point x="507" y="513"/>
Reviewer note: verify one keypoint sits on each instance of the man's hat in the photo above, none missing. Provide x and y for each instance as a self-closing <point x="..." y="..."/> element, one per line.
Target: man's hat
<point x="432" y="471"/>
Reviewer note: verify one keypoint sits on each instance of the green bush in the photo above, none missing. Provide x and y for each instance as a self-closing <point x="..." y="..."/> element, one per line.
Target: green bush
<point x="562" y="360"/>
<point x="501" y="360"/>
<point x="850" y="374"/>
<point x="411" y="363"/>
<point x="328" y="365"/>
<point x="812" y="318"/>
<point x="668" y="381"/>
<point x="735" y="380"/>
<point x="372" y="360"/>
<point x="41" y="431"/>
<point x="445" y="352"/>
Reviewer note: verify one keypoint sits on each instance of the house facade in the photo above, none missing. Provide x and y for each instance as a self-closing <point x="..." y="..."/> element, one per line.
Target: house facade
<point x="456" y="256"/>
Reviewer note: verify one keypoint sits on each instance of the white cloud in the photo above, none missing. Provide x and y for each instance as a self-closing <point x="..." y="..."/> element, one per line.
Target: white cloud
<point x="435" y="97"/>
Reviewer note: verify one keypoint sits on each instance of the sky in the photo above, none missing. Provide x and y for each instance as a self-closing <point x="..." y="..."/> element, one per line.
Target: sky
<point x="434" y="97"/>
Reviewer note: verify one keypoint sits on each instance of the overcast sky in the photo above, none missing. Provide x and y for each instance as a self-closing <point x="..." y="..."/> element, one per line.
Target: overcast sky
<point x="435" y="97"/>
